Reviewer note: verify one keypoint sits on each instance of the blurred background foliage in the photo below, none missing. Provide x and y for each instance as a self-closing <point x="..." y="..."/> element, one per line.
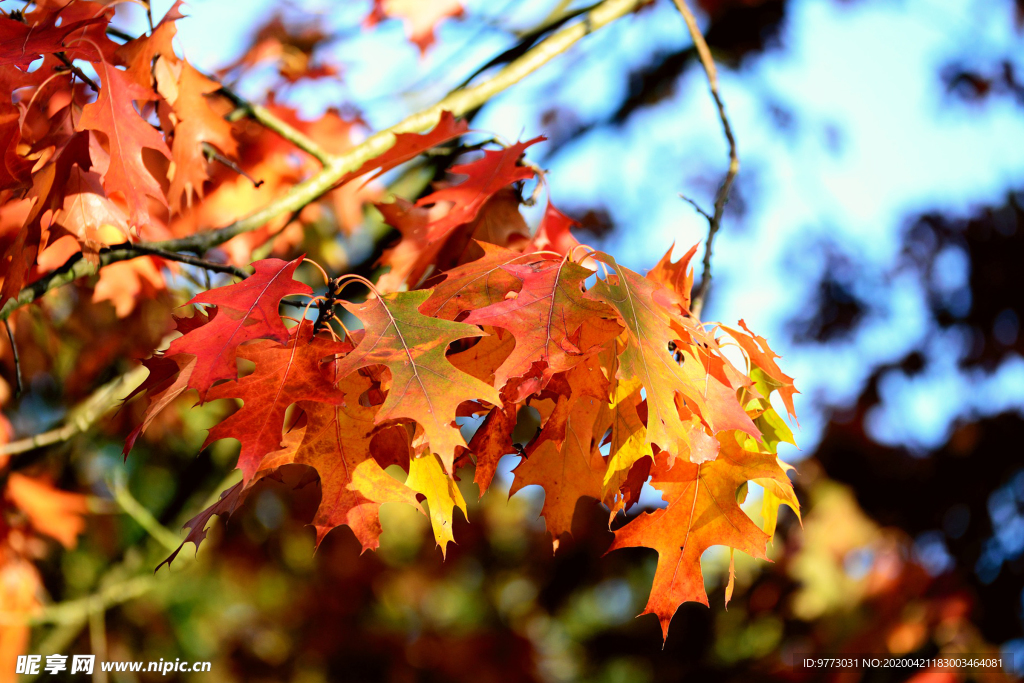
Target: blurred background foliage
<point x="885" y="258"/>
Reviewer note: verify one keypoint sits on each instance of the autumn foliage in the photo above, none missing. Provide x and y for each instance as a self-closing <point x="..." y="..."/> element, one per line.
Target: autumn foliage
<point x="391" y="390"/>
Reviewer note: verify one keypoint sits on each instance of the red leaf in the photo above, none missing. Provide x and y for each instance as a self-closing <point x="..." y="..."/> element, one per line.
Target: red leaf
<point x="15" y="170"/>
<point x="497" y="169"/>
<point x="409" y="145"/>
<point x="21" y="43"/>
<point x="229" y="501"/>
<point x="547" y="319"/>
<point x="245" y="311"/>
<point x="553" y="232"/>
<point x="284" y="374"/>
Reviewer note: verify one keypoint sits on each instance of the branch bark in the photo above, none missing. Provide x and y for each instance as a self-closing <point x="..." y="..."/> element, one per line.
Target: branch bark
<point x="722" y="196"/>
<point x="459" y="103"/>
<point x="84" y="415"/>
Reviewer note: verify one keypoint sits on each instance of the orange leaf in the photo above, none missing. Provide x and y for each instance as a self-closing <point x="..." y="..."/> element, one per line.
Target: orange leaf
<point x="702" y="512"/>
<point x="487" y="175"/>
<point x="425" y="386"/>
<point x="565" y="459"/>
<point x="114" y="115"/>
<point x="50" y="511"/>
<point x="284" y="374"/>
<point x="652" y="333"/>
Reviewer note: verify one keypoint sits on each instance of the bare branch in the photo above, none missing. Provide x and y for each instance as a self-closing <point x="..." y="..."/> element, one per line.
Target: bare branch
<point x="77" y="71"/>
<point x="458" y="103"/>
<point x="142" y="516"/>
<point x="696" y="207"/>
<point x="262" y="115"/>
<point x="722" y="196"/>
<point x="143" y="249"/>
<point x="82" y="416"/>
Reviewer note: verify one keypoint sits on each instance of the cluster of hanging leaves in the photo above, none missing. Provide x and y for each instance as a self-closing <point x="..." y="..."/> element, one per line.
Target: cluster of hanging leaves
<point x="390" y="396"/>
<point x="629" y="386"/>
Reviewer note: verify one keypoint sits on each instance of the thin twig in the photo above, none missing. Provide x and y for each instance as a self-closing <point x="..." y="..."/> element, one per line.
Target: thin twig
<point x="212" y="153"/>
<point x="77" y="71"/>
<point x="143" y="249"/>
<point x="18" y="386"/>
<point x="458" y="103"/>
<point x="722" y="197"/>
<point x="265" y="118"/>
<point x="696" y="207"/>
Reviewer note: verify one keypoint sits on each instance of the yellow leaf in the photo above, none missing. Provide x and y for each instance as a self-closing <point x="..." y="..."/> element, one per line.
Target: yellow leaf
<point x="442" y="494"/>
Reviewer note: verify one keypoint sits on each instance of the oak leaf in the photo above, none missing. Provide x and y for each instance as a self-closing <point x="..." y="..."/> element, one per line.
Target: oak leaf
<point x="477" y="284"/>
<point x="760" y="354"/>
<point x="628" y="438"/>
<point x="425" y="386"/>
<point x="492" y="441"/>
<point x="335" y="441"/>
<point x="553" y="233"/>
<point x="229" y="501"/>
<point x="55" y="513"/>
<point x="21" y="43"/>
<point x="442" y="494"/>
<point x="285" y="374"/>
<point x="127" y="133"/>
<point x="140" y="54"/>
<point x="15" y="170"/>
<point x="546" y="317"/>
<point x="197" y="123"/>
<point x="419" y="17"/>
<point x="676" y="276"/>
<point x="246" y="310"/>
<point x="651" y="330"/>
<point x="486" y="176"/>
<point x="702" y="512"/>
<point x="167" y="380"/>
<point x="565" y="458"/>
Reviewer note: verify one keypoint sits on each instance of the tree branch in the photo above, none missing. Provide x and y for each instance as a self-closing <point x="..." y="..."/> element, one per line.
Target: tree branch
<point x="722" y="197"/>
<point x="77" y="71"/>
<point x="142" y="516"/>
<point x="143" y="249"/>
<point x="458" y="103"/>
<point x="82" y="416"/>
<point x="265" y="118"/>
